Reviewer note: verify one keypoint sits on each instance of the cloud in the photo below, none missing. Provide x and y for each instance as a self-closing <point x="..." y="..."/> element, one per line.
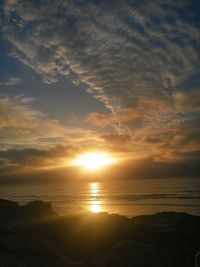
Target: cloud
<point x="188" y="167"/>
<point x="13" y="114"/>
<point x="99" y="119"/>
<point x="121" y="51"/>
<point x="188" y="100"/>
<point x="103" y="120"/>
<point x="32" y="159"/>
<point x="24" y="99"/>
<point x="11" y="81"/>
<point x="117" y="142"/>
<point x="156" y="104"/>
<point x="152" y="139"/>
<point x="21" y="124"/>
<point x="33" y="156"/>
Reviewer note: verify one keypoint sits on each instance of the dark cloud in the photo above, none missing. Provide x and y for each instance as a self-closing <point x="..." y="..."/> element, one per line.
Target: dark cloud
<point x="149" y="168"/>
<point x="28" y="155"/>
<point x="32" y="159"/>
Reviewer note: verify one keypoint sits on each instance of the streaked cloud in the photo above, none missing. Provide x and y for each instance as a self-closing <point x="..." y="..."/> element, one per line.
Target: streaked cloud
<point x="24" y="99"/>
<point x="188" y="101"/>
<point x="103" y="120"/>
<point x="21" y="124"/>
<point x="11" y="81"/>
<point x="121" y="51"/>
<point x="14" y="114"/>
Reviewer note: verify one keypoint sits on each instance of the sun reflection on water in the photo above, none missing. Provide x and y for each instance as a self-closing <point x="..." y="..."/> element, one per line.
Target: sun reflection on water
<point x="95" y="205"/>
<point x="94" y="189"/>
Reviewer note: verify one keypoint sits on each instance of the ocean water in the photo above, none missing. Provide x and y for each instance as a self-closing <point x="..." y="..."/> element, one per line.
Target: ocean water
<point x="126" y="197"/>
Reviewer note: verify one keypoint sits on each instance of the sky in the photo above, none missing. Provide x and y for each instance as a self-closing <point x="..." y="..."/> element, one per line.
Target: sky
<point x="115" y="76"/>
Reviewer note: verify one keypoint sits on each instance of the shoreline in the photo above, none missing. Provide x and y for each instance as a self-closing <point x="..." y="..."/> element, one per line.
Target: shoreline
<point x="132" y="198"/>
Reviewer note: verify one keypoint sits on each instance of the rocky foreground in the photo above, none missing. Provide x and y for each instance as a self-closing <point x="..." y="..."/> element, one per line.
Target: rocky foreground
<point x="35" y="236"/>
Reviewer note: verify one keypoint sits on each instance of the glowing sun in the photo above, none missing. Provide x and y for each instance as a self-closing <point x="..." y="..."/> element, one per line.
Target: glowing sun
<point x="93" y="160"/>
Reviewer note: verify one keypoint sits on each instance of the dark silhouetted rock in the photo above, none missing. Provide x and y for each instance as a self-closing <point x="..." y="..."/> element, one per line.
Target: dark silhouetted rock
<point x="37" y="209"/>
<point x="131" y="254"/>
<point x="7" y="209"/>
<point x="34" y="235"/>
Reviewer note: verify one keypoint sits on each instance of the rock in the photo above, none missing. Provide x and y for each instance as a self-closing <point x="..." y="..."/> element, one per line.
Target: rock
<point x="7" y="208"/>
<point x="37" y="209"/>
<point x="8" y="214"/>
<point x="34" y="235"/>
<point x="132" y="254"/>
<point x="197" y="259"/>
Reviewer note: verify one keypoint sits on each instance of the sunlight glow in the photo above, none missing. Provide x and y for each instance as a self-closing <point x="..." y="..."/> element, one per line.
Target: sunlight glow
<point x="93" y="160"/>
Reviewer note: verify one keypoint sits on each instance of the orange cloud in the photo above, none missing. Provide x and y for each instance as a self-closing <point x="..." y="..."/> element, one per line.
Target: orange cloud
<point x="161" y="105"/>
<point x="117" y="139"/>
<point x="14" y="114"/>
<point x="99" y="119"/>
<point x="188" y="100"/>
<point x="103" y="120"/>
<point x="21" y="124"/>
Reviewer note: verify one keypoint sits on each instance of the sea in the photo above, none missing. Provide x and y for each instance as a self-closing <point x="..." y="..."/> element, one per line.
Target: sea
<point x="126" y="197"/>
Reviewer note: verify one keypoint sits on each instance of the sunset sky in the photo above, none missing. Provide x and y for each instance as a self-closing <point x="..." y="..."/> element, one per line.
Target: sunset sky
<point x="121" y="77"/>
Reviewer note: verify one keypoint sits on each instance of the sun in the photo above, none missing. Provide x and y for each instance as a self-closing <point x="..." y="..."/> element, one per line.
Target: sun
<point x="93" y="160"/>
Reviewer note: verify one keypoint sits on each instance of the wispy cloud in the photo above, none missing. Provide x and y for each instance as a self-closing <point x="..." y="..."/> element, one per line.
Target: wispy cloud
<point x="22" y="125"/>
<point x="24" y="99"/>
<point x="11" y="81"/>
<point x="121" y="51"/>
<point x="103" y="120"/>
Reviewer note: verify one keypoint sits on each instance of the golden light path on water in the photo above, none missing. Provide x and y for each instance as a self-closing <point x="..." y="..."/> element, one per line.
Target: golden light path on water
<point x="95" y="205"/>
